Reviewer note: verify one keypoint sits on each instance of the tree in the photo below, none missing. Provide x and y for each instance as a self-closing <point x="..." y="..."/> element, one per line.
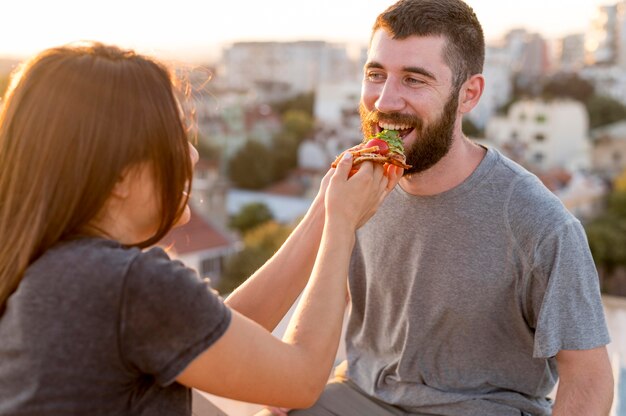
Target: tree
<point x="251" y="167"/>
<point x="607" y="234"/>
<point x="604" y="110"/>
<point x="206" y="150"/>
<point x="260" y="244"/>
<point x="303" y="102"/>
<point x="568" y="86"/>
<point x="620" y="182"/>
<point x="285" y="154"/>
<point x="470" y="129"/>
<point x="298" y="124"/>
<point x="607" y="240"/>
<point x="251" y="216"/>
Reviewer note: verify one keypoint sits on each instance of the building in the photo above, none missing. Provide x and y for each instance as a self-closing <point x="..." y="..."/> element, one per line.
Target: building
<point x="298" y="66"/>
<point x="285" y="209"/>
<point x="200" y="245"/>
<point x="609" y="150"/>
<point x="544" y="135"/>
<point x="609" y="81"/>
<point x="571" y="53"/>
<point x="498" y="87"/>
<point x="601" y="45"/>
<point x="582" y="193"/>
<point x="528" y="53"/>
<point x="336" y="105"/>
<point x="227" y="120"/>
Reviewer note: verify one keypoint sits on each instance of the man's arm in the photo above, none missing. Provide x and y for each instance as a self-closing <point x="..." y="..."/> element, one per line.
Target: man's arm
<point x="585" y="383"/>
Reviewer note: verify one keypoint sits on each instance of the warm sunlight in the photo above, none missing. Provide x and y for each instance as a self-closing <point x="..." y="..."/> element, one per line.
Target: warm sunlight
<point x="191" y="27"/>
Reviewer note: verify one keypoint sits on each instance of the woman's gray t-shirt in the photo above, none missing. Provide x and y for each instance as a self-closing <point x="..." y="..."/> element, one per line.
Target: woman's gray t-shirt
<point x="96" y="328"/>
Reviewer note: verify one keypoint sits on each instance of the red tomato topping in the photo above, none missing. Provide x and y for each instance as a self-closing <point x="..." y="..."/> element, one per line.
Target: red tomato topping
<point x="383" y="147"/>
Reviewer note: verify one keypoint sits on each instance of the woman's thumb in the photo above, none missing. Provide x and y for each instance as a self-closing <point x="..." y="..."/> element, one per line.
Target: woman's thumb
<point x="344" y="165"/>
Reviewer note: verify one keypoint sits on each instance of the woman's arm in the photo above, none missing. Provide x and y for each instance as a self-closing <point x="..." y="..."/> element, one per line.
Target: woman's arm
<point x="247" y="362"/>
<point x="269" y="293"/>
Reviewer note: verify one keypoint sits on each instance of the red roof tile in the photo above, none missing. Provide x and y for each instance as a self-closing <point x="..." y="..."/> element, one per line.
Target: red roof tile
<point x="197" y="235"/>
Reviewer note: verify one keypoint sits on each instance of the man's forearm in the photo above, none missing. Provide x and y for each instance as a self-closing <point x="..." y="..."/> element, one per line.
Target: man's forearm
<point x="591" y="396"/>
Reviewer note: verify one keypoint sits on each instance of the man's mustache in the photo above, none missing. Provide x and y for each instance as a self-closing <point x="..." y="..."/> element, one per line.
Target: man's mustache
<point x="375" y="117"/>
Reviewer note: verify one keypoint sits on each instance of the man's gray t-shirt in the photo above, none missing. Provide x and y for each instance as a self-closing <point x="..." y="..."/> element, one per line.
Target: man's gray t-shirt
<point x="460" y="301"/>
<point x="99" y="329"/>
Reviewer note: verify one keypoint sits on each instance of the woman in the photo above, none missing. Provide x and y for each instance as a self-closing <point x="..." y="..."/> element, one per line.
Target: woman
<point x="94" y="167"/>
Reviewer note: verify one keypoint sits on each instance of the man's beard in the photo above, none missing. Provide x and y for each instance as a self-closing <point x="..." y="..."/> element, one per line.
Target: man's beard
<point x="432" y="142"/>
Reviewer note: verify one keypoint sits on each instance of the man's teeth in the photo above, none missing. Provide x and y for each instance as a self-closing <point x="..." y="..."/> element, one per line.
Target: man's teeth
<point x="386" y="126"/>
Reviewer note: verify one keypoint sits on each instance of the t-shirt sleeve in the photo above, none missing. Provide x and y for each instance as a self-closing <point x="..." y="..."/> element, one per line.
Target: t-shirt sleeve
<point x="565" y="294"/>
<point x="169" y="316"/>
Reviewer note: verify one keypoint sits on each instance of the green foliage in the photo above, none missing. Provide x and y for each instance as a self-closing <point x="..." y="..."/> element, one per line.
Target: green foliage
<point x="617" y="204"/>
<point x="206" y="150"/>
<point x="568" y="86"/>
<point x="260" y="244"/>
<point x="298" y="123"/>
<point x="607" y="234"/>
<point x="285" y="154"/>
<point x="503" y="110"/>
<point x="251" y="216"/>
<point x="470" y="129"/>
<point x="607" y="240"/>
<point x="604" y="110"/>
<point x="251" y="167"/>
<point x="303" y="102"/>
<point x="256" y="166"/>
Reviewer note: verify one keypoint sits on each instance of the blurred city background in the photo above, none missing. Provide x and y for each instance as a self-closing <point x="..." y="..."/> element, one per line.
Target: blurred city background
<point x="274" y="88"/>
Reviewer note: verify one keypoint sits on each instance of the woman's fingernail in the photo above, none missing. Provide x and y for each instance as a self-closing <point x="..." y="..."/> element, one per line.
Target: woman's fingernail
<point x="347" y="156"/>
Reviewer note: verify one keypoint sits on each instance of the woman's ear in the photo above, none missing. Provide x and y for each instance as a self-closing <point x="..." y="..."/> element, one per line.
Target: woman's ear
<point x="470" y="93"/>
<point x="123" y="186"/>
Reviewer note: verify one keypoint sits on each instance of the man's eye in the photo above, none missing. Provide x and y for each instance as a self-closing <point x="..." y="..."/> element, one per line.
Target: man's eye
<point x="413" y="81"/>
<point x="375" y="76"/>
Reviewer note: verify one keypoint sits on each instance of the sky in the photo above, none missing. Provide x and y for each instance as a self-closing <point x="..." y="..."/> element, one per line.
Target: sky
<point x="196" y="30"/>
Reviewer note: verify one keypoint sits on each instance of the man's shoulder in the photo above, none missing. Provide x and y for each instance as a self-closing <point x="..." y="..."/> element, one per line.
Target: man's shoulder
<point x="531" y="210"/>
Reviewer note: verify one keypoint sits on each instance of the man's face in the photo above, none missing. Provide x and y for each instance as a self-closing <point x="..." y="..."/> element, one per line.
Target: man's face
<point x="408" y="87"/>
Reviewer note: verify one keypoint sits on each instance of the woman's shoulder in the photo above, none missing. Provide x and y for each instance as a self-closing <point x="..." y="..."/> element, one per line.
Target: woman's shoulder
<point x="87" y="252"/>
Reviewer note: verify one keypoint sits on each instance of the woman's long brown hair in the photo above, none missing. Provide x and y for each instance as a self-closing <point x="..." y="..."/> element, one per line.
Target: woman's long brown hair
<point x="73" y="119"/>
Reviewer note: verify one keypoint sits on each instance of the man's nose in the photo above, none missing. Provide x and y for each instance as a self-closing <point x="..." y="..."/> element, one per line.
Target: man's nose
<point x="390" y="99"/>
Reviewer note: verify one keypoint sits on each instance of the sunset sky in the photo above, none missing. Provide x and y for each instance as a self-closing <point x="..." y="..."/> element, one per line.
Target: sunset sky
<point x="194" y="29"/>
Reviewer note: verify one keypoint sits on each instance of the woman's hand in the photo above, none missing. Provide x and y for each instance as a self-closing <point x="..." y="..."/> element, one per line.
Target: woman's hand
<point x="354" y="199"/>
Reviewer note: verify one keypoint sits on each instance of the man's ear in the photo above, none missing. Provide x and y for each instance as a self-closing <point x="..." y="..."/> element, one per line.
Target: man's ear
<point x="470" y="93"/>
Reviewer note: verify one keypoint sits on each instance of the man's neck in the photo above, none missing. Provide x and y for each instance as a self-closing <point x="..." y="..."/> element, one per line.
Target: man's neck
<point x="456" y="166"/>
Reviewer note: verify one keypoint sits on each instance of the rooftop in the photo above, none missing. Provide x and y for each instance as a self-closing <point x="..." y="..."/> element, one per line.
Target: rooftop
<point x="197" y="235"/>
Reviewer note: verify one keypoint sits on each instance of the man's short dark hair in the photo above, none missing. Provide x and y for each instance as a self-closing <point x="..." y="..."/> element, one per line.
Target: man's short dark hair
<point x="456" y="21"/>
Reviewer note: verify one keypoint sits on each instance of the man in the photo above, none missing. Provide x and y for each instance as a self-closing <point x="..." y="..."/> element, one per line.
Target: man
<point x="473" y="289"/>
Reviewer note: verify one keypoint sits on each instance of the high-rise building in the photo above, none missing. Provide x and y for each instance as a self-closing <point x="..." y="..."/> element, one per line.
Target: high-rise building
<point x="498" y="88"/>
<point x="571" y="53"/>
<point x="529" y="57"/>
<point x="294" y="66"/>
<point x="601" y="45"/>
